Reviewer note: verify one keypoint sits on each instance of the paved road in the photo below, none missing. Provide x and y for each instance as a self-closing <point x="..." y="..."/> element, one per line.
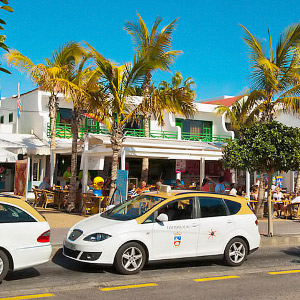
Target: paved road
<point x="65" y="279"/>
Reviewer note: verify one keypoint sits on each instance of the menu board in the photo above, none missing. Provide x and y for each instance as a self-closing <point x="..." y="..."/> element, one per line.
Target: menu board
<point x="20" y="177"/>
<point x="122" y="186"/>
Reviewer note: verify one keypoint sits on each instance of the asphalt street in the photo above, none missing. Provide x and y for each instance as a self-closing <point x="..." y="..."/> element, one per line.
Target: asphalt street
<point x="62" y="278"/>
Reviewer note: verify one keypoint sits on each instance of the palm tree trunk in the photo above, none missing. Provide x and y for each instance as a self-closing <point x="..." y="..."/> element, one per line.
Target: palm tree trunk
<point x="74" y="129"/>
<point x="117" y="138"/>
<point x="145" y="163"/>
<point x="259" y="209"/>
<point x="52" y="104"/>
<point x="147" y="95"/>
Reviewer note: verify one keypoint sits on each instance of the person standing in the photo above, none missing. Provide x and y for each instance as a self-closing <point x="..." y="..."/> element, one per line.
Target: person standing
<point x="67" y="175"/>
<point x="220" y="187"/>
<point x="205" y="184"/>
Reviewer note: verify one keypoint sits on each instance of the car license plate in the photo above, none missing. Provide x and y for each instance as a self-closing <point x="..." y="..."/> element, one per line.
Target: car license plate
<point x="70" y="245"/>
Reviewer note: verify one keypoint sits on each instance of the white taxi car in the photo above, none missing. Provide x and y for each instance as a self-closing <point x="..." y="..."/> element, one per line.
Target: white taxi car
<point x="160" y="226"/>
<point x="24" y="236"/>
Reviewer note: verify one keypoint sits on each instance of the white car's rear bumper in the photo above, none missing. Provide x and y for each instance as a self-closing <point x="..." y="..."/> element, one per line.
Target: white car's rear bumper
<point x="28" y="257"/>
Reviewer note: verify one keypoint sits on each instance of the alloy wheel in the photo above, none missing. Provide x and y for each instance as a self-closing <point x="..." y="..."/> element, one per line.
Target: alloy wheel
<point x="237" y="252"/>
<point x="132" y="258"/>
<point x="1" y="265"/>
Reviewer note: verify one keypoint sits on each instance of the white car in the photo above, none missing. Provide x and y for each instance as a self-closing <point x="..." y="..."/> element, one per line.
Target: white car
<point x="24" y="236"/>
<point x="161" y="226"/>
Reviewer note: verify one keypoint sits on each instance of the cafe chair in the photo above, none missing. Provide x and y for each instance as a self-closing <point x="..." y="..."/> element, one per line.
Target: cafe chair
<point x="49" y="197"/>
<point x="38" y="197"/>
<point x="90" y="204"/>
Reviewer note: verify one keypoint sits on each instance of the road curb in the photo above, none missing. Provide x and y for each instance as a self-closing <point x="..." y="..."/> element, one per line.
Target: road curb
<point x="280" y="240"/>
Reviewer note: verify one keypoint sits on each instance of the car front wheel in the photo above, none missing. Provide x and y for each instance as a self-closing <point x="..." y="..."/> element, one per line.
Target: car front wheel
<point x="130" y="258"/>
<point x="4" y="265"/>
<point x="236" y="252"/>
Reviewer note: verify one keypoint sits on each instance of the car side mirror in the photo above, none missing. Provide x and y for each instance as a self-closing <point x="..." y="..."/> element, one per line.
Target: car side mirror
<point x="162" y="218"/>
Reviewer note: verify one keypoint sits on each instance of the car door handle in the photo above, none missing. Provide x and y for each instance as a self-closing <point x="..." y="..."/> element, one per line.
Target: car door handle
<point x="195" y="225"/>
<point x="229" y="222"/>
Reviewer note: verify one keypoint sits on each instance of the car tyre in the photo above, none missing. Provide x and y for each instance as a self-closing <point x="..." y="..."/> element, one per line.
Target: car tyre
<point x="236" y="252"/>
<point x="130" y="258"/>
<point x="4" y="265"/>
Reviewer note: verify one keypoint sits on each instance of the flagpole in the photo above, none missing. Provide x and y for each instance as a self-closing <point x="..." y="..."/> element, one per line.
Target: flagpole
<point x="18" y="113"/>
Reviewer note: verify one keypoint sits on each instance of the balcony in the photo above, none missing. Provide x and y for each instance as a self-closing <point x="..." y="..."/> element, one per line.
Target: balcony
<point x="64" y="131"/>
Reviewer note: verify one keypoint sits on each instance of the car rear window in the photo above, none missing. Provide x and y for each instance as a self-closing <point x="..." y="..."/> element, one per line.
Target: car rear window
<point x="12" y="214"/>
<point x="212" y="207"/>
<point x="233" y="206"/>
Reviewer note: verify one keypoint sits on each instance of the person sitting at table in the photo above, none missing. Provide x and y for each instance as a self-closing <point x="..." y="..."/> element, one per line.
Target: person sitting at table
<point x="254" y="194"/>
<point x="44" y="185"/>
<point x="233" y="190"/>
<point x="131" y="191"/>
<point x="296" y="199"/>
<point x="142" y="188"/>
<point x="179" y="185"/>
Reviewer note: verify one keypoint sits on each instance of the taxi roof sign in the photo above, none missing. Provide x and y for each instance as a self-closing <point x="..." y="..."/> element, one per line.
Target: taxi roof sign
<point x="165" y="188"/>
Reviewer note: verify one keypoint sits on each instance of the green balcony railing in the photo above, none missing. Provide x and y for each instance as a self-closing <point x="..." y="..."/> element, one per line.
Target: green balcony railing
<point x="204" y="137"/>
<point x="171" y="135"/>
<point x="64" y="131"/>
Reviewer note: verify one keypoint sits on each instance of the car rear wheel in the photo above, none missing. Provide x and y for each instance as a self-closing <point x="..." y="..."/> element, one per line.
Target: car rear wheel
<point x="236" y="252"/>
<point x="4" y="265"/>
<point x="130" y="258"/>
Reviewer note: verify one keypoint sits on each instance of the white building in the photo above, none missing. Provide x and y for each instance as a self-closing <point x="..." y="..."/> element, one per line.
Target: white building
<point x="194" y="145"/>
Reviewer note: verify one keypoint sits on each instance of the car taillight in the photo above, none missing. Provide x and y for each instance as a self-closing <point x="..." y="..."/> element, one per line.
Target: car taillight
<point x="44" y="237"/>
<point x="256" y="222"/>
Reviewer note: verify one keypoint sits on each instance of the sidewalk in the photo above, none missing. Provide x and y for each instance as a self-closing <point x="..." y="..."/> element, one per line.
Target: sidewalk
<point x="286" y="232"/>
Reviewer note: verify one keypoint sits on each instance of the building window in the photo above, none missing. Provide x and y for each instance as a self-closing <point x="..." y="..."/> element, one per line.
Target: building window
<point x="10" y="117"/>
<point x="1" y="119"/>
<point x="195" y="128"/>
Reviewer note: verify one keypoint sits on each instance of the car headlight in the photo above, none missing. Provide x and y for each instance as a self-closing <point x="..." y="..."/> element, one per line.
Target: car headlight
<point x="97" y="237"/>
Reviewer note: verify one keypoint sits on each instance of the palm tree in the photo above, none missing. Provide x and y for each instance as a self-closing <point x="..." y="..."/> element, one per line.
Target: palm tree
<point x="274" y="79"/>
<point x="112" y="102"/>
<point x="155" y="49"/>
<point x="175" y="98"/>
<point x="43" y="74"/>
<point x="77" y="85"/>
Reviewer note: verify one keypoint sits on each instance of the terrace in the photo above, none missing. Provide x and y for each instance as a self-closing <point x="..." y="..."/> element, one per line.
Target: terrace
<point x="63" y="130"/>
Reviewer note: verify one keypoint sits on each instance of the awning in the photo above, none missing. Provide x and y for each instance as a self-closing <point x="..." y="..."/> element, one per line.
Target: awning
<point x="155" y="148"/>
<point x="7" y="156"/>
<point x="23" y="144"/>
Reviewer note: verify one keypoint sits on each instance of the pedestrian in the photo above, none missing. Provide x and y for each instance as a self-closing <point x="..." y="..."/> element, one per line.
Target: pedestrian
<point x="67" y="175"/>
<point x="220" y="187"/>
<point x="205" y="184"/>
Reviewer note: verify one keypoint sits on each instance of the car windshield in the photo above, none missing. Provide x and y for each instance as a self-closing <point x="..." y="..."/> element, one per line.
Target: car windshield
<point x="133" y="208"/>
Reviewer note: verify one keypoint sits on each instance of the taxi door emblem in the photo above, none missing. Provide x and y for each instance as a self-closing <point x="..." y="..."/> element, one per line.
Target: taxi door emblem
<point x="177" y="239"/>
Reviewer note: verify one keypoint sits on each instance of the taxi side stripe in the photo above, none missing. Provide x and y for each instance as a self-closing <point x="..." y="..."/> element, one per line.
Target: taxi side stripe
<point x="284" y="272"/>
<point x="123" y="287"/>
<point x="216" y="278"/>
<point x="28" y="297"/>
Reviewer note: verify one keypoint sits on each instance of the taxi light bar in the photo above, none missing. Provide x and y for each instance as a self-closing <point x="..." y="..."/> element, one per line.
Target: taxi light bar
<point x="44" y="237"/>
<point x="165" y="188"/>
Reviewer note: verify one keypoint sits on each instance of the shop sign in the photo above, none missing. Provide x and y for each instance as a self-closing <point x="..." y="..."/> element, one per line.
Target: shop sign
<point x="180" y="165"/>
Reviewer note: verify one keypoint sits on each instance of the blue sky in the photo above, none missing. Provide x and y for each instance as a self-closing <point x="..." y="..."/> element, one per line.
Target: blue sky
<point x="207" y="32"/>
